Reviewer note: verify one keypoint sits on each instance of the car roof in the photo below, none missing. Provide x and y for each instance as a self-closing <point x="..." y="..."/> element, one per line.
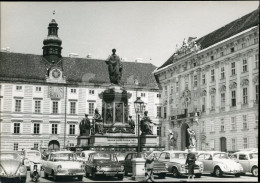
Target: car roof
<point x="60" y="152"/>
<point x="245" y="152"/>
<point x="175" y="151"/>
<point x="88" y="151"/>
<point x="211" y="152"/>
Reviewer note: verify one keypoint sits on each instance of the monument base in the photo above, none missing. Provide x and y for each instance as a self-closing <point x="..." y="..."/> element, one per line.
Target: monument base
<point x="83" y="140"/>
<point x="149" y="140"/>
<point x="138" y="169"/>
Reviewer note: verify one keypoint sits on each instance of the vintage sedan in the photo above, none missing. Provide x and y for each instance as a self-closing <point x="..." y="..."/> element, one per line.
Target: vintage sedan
<point x="83" y="156"/>
<point x="159" y="169"/>
<point x="63" y="164"/>
<point x="218" y="163"/>
<point x="248" y="160"/>
<point x="11" y="167"/>
<point x="176" y="163"/>
<point x="104" y="164"/>
<point x="32" y="156"/>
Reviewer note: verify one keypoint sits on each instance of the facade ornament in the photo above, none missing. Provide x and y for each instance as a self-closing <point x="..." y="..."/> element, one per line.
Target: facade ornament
<point x="207" y="67"/>
<point x="198" y="70"/>
<point x="187" y="47"/>
<point x="233" y="85"/>
<point x="204" y="93"/>
<point x="256" y="79"/>
<point x="244" y="82"/>
<point x="212" y="91"/>
<point x="249" y="53"/>
<point x="217" y="64"/>
<point x="222" y="88"/>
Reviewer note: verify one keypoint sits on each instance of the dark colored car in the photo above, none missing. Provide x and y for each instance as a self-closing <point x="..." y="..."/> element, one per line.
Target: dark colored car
<point x="159" y="169"/>
<point x="104" y="164"/>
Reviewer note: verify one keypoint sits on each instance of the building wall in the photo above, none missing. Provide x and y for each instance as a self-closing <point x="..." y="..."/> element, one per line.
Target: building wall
<point x="243" y="46"/>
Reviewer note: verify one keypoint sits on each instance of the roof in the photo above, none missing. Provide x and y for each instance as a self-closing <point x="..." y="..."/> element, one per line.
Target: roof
<point x="60" y="152"/>
<point x="175" y="151"/>
<point x="231" y="29"/>
<point x="29" y="67"/>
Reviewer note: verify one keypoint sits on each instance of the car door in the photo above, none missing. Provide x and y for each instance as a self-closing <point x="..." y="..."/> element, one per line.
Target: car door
<point x="128" y="163"/>
<point x="208" y="163"/>
<point x="88" y="164"/>
<point x="162" y="158"/>
<point x="49" y="162"/>
<point x="243" y="160"/>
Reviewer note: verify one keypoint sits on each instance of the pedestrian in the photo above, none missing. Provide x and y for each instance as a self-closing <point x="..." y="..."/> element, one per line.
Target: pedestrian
<point x="190" y="161"/>
<point x="149" y="163"/>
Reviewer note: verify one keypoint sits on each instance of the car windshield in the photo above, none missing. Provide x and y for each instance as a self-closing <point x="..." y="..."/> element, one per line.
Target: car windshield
<point x="64" y="157"/>
<point x="179" y="155"/>
<point x="220" y="156"/>
<point x="6" y="156"/>
<point x="33" y="154"/>
<point x="104" y="157"/>
<point x="253" y="156"/>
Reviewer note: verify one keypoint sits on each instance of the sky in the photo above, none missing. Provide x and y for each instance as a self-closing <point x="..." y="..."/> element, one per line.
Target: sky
<point x="148" y="30"/>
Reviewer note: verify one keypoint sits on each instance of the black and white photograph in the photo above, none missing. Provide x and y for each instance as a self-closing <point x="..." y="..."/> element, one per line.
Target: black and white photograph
<point x="129" y="91"/>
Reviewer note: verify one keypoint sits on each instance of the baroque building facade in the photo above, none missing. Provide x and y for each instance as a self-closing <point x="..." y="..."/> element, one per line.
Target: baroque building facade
<point x="211" y="85"/>
<point x="43" y="98"/>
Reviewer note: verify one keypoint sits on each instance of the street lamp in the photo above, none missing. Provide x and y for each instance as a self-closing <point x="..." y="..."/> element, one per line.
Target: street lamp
<point x="139" y="106"/>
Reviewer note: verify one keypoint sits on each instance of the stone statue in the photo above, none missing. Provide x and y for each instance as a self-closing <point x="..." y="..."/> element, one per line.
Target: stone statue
<point x="145" y="124"/>
<point x="97" y="121"/>
<point x="132" y="124"/>
<point x="115" y="68"/>
<point x="84" y="126"/>
<point x="192" y="137"/>
<point x="173" y="138"/>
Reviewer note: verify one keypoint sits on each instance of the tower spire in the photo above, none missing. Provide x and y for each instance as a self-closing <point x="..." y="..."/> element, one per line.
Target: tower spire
<point x="53" y="14"/>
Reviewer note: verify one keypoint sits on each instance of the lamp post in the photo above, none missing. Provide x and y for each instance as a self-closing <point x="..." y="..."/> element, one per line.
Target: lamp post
<point x="139" y="105"/>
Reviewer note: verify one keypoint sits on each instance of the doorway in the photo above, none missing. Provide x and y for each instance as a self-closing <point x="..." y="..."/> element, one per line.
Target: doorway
<point x="223" y="144"/>
<point x="54" y="145"/>
<point x="184" y="136"/>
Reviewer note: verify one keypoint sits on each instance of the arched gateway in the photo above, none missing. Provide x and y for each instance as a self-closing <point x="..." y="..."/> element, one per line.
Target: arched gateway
<point x="54" y="145"/>
<point x="184" y="136"/>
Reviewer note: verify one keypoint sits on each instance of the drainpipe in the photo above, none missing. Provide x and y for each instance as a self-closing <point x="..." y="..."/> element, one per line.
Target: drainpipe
<point x="65" y="116"/>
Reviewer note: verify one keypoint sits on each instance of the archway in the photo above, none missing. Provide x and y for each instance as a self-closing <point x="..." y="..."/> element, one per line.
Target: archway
<point x="184" y="136"/>
<point x="223" y="144"/>
<point x="54" y="145"/>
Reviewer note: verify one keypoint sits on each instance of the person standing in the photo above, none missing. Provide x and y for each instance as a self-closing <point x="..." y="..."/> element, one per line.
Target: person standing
<point x="149" y="164"/>
<point x="190" y="161"/>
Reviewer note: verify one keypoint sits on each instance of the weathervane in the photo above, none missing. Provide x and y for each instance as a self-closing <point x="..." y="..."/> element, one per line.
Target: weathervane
<point x="53" y="14"/>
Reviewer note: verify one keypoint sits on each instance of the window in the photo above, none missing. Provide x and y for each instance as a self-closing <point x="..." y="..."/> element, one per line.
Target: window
<point x="54" y="128"/>
<point x="195" y="80"/>
<point x="203" y="78"/>
<point x="245" y="126"/>
<point x="91" y="92"/>
<point x="171" y="88"/>
<point x="142" y="94"/>
<point x="203" y="104"/>
<point x="232" y="50"/>
<point x="18" y="88"/>
<point x="212" y="102"/>
<point x="222" y="54"/>
<point x="55" y="107"/>
<point x="16" y="128"/>
<point x="158" y="95"/>
<point x="38" y="89"/>
<point x="222" y="72"/>
<point x="15" y="146"/>
<point x="256" y="94"/>
<point x="212" y="75"/>
<point x="233" y="68"/>
<point x="256" y="121"/>
<point x="73" y="90"/>
<point x="233" y="98"/>
<point x="223" y="100"/>
<point x="159" y="111"/>
<point x="159" y="131"/>
<point x="194" y="64"/>
<point x="256" y="61"/>
<point x="245" y="142"/>
<point x="212" y="126"/>
<point x="72" y="107"/>
<point x="255" y="40"/>
<point x="164" y="131"/>
<point x="212" y="57"/>
<point x="222" y="125"/>
<point x="72" y="129"/>
<point x="203" y="126"/>
<point x="18" y="104"/>
<point x="233" y="123"/>
<point x="177" y="86"/>
<point x="165" y="90"/>
<point x="37" y="106"/>
<point x="36" y="128"/>
<point x="165" y="112"/>
<point x="244" y="65"/>
<point x="243" y="45"/>
<point x="36" y="146"/>
<point x="233" y="144"/>
<point x="245" y="96"/>
<point x="91" y="109"/>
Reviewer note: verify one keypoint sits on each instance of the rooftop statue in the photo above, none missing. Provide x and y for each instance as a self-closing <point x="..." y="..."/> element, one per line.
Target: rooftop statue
<point x="115" y="67"/>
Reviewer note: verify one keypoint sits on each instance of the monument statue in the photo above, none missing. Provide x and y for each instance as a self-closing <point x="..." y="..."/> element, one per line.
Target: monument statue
<point x="97" y="121"/>
<point x="115" y="67"/>
<point x="132" y="124"/>
<point x="173" y="138"/>
<point x="84" y="126"/>
<point x="192" y="137"/>
<point x="145" y="124"/>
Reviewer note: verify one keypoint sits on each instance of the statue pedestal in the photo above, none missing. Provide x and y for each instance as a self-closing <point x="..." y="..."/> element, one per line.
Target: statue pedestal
<point x="113" y="140"/>
<point x="148" y="140"/>
<point x="138" y="169"/>
<point x="83" y="140"/>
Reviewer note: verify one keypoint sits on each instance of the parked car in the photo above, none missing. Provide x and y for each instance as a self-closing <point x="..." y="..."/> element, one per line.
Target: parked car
<point x="11" y="167"/>
<point x="32" y="156"/>
<point x="156" y="153"/>
<point x="159" y="169"/>
<point x="104" y="163"/>
<point x="218" y="163"/>
<point x="176" y="163"/>
<point x="83" y="156"/>
<point x="248" y="160"/>
<point x="63" y="164"/>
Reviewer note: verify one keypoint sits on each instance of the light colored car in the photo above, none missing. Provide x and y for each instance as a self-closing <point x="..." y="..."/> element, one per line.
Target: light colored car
<point x="248" y="160"/>
<point x="32" y="156"/>
<point x="218" y="163"/>
<point x="11" y="167"/>
<point x="176" y="161"/>
<point x="83" y="156"/>
<point x="63" y="164"/>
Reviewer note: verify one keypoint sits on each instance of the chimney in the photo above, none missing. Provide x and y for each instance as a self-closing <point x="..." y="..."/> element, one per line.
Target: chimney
<point x="73" y="55"/>
<point x="89" y="55"/>
<point x="7" y="49"/>
<point x="138" y="60"/>
<point x="124" y="59"/>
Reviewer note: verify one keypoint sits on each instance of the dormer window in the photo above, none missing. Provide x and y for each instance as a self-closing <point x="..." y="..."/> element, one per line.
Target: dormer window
<point x="232" y="50"/>
<point x="212" y="57"/>
<point x="18" y="88"/>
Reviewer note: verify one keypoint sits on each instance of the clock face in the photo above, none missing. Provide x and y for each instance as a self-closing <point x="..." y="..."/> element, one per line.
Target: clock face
<point x="56" y="73"/>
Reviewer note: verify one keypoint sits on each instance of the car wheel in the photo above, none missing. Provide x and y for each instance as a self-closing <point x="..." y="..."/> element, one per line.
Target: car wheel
<point x="23" y="179"/>
<point x="237" y="175"/>
<point x="80" y="178"/>
<point x="218" y="172"/>
<point x="120" y="177"/>
<point x="175" y="172"/>
<point x="255" y="171"/>
<point x="55" y="178"/>
<point x="162" y="175"/>
<point x="46" y="175"/>
<point x="198" y="175"/>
